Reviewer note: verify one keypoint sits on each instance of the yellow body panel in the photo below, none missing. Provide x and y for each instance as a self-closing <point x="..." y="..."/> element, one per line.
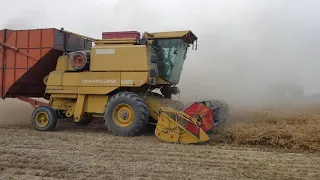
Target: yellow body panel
<point x="93" y="82"/>
<point x="54" y="87"/>
<point x="55" y="78"/>
<point x="154" y="106"/>
<point x="64" y="91"/>
<point x="95" y="103"/>
<point x="78" y="111"/>
<point x="100" y="79"/>
<point x="170" y="119"/>
<point x="171" y="130"/>
<point x="119" y="58"/>
<point x="95" y="90"/>
<point x="62" y="103"/>
<point x="133" y="78"/>
<point x="70" y="96"/>
<point x="81" y="90"/>
<point x="78" y="104"/>
<point x="62" y="63"/>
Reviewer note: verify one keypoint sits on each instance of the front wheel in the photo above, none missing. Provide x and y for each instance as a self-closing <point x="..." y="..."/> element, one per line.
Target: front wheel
<point x="44" y="118"/>
<point x="126" y="114"/>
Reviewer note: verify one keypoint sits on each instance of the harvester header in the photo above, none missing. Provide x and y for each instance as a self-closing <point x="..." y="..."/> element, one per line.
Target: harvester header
<point x="115" y="80"/>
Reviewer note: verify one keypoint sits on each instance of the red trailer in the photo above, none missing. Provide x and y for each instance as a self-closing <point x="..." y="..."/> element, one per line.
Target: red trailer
<point x="27" y="56"/>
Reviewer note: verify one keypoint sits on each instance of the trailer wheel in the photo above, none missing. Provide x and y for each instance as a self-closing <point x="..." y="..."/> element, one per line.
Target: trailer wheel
<point x="44" y="118"/>
<point x="126" y="114"/>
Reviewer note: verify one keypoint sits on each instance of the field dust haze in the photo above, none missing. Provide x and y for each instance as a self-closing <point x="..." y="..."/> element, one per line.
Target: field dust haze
<point x="15" y="112"/>
<point x="244" y="46"/>
<point x="255" y="47"/>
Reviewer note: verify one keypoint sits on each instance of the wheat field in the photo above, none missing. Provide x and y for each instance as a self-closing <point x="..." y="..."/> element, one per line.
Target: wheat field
<point x="253" y="145"/>
<point x="293" y="126"/>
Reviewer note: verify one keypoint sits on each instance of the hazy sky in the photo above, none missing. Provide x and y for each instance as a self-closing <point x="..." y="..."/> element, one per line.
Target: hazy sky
<point x="243" y="44"/>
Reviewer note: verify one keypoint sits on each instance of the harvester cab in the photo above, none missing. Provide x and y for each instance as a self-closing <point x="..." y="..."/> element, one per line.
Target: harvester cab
<point x="115" y="80"/>
<point x="168" y="50"/>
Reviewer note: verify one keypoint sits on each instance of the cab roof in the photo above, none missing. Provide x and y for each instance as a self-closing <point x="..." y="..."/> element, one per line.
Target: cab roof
<point x="186" y="35"/>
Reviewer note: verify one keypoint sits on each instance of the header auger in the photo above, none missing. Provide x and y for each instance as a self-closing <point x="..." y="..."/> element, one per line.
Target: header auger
<point x="115" y="80"/>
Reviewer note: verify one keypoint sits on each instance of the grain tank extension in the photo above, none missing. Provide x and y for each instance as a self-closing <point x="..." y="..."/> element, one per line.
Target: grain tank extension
<point x="115" y="79"/>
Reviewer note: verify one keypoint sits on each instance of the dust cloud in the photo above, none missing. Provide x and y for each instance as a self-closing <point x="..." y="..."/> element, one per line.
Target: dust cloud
<point x="244" y="46"/>
<point x="255" y="47"/>
<point x="14" y="112"/>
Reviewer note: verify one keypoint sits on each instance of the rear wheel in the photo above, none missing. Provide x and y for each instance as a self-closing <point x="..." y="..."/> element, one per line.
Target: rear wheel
<point x="126" y="114"/>
<point x="44" y="118"/>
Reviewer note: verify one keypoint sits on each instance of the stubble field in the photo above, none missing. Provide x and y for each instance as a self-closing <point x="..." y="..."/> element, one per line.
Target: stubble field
<point x="272" y="143"/>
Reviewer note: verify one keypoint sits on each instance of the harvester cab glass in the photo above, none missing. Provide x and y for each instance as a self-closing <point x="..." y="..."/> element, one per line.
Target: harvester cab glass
<point x="169" y="52"/>
<point x="171" y="55"/>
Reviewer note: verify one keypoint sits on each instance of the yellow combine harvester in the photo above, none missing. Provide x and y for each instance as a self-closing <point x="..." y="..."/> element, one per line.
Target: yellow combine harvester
<point x="115" y="80"/>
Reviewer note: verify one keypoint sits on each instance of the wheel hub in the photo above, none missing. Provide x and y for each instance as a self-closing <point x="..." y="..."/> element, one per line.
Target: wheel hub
<point x="42" y="119"/>
<point x="123" y="115"/>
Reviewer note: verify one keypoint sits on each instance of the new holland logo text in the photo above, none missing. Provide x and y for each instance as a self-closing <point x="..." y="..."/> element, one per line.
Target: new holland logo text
<point x="98" y="81"/>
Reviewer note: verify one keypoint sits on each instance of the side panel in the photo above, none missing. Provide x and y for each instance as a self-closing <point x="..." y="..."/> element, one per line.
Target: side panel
<point x="82" y="83"/>
<point x="92" y="79"/>
<point x="62" y="63"/>
<point x="92" y="103"/>
<point x="133" y="79"/>
<point x="95" y="103"/>
<point x="55" y="78"/>
<point x="76" y="43"/>
<point x="27" y="56"/>
<point x="79" y="90"/>
<point x="119" y="58"/>
<point x="70" y="42"/>
<point x="96" y="79"/>
<point x="93" y="82"/>
<point x="20" y="51"/>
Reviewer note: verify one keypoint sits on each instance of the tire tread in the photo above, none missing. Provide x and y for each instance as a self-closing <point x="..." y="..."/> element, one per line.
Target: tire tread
<point x="142" y="111"/>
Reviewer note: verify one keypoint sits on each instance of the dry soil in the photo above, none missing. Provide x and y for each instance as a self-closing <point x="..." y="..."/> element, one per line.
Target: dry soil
<point x="73" y="152"/>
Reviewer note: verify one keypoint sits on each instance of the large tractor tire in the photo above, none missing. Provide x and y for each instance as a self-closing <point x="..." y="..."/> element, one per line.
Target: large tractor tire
<point x="44" y="118"/>
<point x="126" y="114"/>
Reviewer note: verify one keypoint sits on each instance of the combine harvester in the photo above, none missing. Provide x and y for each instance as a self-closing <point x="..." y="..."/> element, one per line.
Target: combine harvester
<point x="113" y="80"/>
